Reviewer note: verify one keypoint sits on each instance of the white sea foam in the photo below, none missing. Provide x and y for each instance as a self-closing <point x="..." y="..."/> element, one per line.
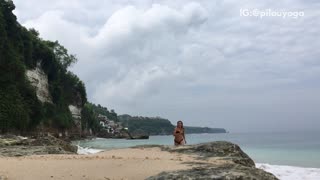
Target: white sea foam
<point x="85" y="150"/>
<point x="291" y="172"/>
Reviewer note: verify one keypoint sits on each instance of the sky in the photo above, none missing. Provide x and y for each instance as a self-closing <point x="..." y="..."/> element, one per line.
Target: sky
<point x="202" y="61"/>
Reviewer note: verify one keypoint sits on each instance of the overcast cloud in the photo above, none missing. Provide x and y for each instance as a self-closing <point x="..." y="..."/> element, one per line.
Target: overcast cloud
<point x="199" y="61"/>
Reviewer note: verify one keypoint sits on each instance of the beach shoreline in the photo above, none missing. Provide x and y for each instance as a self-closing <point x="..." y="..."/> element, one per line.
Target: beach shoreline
<point x="219" y="159"/>
<point x="19" y="155"/>
<point x="112" y="164"/>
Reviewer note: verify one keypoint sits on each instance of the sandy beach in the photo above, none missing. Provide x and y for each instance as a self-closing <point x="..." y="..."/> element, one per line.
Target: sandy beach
<point x="114" y="164"/>
<point x="222" y="160"/>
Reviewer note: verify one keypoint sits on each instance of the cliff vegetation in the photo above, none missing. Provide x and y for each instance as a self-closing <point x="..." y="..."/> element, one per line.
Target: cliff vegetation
<point x="23" y="51"/>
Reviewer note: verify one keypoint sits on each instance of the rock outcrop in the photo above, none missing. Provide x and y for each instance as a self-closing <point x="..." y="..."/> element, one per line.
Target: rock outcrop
<point x="76" y="115"/>
<point x="3" y="178"/>
<point x="75" y="108"/>
<point x="39" y="80"/>
<point x="222" y="160"/>
<point x="20" y="146"/>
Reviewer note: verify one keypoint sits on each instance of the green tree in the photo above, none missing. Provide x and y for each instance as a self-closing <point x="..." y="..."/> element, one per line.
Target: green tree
<point x="89" y="118"/>
<point x="61" y="54"/>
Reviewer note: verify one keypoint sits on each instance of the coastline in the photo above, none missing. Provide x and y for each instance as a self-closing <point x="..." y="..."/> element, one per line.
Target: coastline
<point x="219" y="159"/>
<point x="30" y="155"/>
<point x="113" y="164"/>
<point x="283" y="172"/>
<point x="291" y="149"/>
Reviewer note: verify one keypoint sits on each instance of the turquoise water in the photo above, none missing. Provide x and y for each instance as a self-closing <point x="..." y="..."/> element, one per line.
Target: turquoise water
<point x="293" y="149"/>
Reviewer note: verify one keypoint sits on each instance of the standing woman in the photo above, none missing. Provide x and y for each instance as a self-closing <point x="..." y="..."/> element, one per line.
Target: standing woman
<point x="178" y="133"/>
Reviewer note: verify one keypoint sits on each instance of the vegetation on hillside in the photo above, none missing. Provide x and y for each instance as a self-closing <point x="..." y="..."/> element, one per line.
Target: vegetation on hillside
<point x="197" y="130"/>
<point x="89" y="118"/>
<point x="150" y="125"/>
<point x="98" y="109"/>
<point x="22" y="49"/>
<point x="160" y="126"/>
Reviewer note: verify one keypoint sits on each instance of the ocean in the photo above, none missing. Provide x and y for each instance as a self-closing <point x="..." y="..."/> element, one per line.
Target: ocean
<point x="288" y="155"/>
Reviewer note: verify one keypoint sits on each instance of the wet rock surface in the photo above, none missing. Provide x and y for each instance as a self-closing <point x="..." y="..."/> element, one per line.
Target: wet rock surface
<point x="223" y="160"/>
<point x="11" y="145"/>
<point x="217" y="173"/>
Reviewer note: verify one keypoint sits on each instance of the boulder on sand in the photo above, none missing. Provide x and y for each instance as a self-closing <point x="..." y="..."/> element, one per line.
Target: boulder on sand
<point x="224" y="161"/>
<point x="11" y="145"/>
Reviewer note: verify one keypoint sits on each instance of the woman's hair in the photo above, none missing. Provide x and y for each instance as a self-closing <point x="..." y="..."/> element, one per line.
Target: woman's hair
<point x="181" y="124"/>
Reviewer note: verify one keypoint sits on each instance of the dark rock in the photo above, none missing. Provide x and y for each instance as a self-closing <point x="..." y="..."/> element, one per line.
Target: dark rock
<point x="238" y="165"/>
<point x="11" y="140"/>
<point x="3" y="178"/>
<point x="14" y="151"/>
<point x="223" y="149"/>
<point x="19" y="146"/>
<point x="217" y="173"/>
<point x="53" y="141"/>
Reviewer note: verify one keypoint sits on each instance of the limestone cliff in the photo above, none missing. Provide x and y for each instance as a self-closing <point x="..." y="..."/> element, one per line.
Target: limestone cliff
<point x="39" y="80"/>
<point x="76" y="115"/>
<point x="37" y="87"/>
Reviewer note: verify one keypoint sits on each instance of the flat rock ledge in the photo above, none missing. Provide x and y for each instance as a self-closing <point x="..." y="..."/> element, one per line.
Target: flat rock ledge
<point x="11" y="146"/>
<point x="221" y="161"/>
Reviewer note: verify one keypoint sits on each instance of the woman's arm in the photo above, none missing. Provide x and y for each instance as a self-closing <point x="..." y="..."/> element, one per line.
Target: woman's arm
<point x="174" y="132"/>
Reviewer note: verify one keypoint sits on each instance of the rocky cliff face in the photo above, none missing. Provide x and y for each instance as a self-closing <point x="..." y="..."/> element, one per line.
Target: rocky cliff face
<point x="39" y="80"/>
<point x="75" y="108"/>
<point x="220" y="161"/>
<point x="54" y="85"/>
<point x="76" y="114"/>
